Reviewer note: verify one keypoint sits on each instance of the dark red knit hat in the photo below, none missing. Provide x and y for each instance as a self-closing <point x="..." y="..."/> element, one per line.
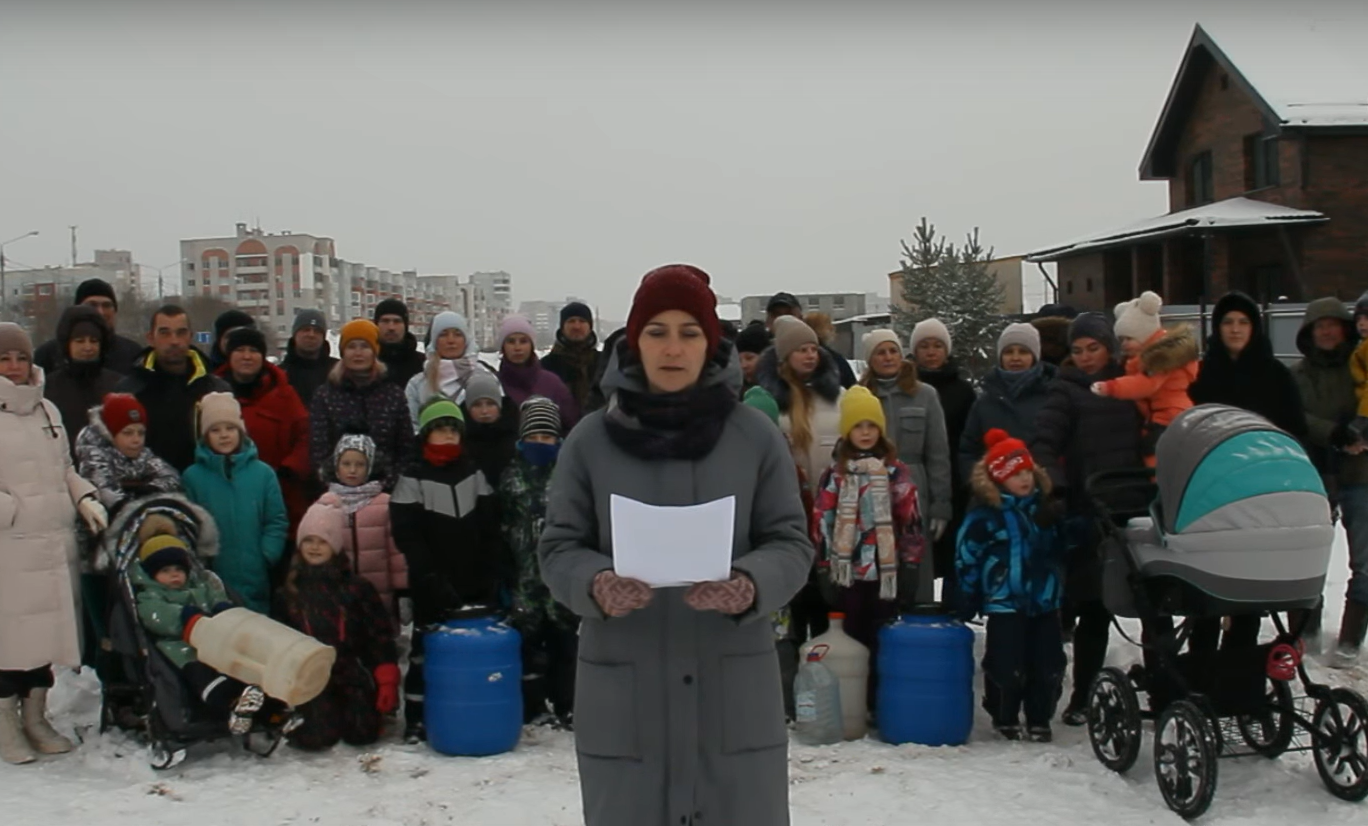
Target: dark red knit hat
<point x="675" y="287"/>
<point x="120" y="410"/>
<point x="1006" y="456"/>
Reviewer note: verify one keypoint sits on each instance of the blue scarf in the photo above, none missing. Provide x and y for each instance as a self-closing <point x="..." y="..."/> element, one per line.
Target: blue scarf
<point x="538" y="454"/>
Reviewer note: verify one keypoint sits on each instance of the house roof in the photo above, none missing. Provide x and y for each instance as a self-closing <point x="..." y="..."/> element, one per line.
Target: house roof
<point x="1231" y="213"/>
<point x="1301" y="77"/>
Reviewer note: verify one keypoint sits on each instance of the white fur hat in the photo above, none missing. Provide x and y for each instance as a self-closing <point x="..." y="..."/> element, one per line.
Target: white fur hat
<point x="1139" y="318"/>
<point x="931" y="328"/>
<point x="874" y="338"/>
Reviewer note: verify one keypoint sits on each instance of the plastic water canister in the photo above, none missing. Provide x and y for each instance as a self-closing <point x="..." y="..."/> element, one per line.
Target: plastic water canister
<point x="473" y="699"/>
<point x="289" y="666"/>
<point x="848" y="660"/>
<point x="926" y="680"/>
<point x="817" y="703"/>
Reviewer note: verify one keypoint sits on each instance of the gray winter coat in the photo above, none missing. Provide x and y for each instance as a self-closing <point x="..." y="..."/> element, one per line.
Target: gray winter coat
<point x="679" y="716"/>
<point x="916" y="424"/>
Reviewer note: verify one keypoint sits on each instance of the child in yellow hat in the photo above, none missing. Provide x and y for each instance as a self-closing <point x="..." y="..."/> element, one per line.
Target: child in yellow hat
<point x="869" y="525"/>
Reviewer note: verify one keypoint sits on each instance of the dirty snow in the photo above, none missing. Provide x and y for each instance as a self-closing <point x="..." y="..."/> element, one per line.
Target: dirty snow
<point x="107" y="780"/>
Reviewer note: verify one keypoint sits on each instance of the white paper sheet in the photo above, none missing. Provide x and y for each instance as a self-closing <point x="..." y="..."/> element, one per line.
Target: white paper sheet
<point x="671" y="546"/>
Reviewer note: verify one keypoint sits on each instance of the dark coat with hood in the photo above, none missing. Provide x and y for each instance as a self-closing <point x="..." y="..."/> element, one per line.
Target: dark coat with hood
<point x="679" y="716"/>
<point x="1014" y="407"/>
<point x="1327" y="393"/>
<point x="1256" y="380"/>
<point x="120" y="356"/>
<point x="307" y="374"/>
<point x="75" y="387"/>
<point x="377" y="408"/>
<point x="402" y="361"/>
<point x="170" y="401"/>
<point x="578" y="366"/>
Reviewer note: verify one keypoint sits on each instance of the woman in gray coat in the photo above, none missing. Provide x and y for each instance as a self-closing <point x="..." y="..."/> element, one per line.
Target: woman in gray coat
<point x="916" y="424"/>
<point x="679" y="717"/>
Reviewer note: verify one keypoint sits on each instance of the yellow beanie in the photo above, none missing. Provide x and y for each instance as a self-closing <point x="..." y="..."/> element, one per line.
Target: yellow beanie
<point x="860" y="405"/>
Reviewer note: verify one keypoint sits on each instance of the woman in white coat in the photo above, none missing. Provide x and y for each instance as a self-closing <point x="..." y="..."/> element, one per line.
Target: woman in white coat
<point x="40" y="497"/>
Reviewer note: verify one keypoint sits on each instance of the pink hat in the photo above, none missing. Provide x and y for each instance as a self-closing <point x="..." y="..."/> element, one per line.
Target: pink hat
<point x="326" y="523"/>
<point x="516" y="324"/>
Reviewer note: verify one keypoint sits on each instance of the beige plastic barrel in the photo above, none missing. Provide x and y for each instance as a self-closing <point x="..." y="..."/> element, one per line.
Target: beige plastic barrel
<point x="848" y="660"/>
<point x="289" y="666"/>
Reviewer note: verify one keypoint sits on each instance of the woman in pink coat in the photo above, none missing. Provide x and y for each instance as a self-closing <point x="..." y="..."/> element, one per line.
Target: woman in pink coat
<point x="367" y="543"/>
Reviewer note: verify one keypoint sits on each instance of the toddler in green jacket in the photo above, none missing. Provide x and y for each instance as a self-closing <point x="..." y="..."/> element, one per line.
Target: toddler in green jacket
<point x="171" y="596"/>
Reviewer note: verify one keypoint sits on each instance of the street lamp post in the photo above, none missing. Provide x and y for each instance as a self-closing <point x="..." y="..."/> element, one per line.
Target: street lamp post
<point x="4" y="296"/>
<point x="161" y="284"/>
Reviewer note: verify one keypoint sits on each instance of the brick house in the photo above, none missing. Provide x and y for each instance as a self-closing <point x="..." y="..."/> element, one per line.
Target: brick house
<point x="1265" y="151"/>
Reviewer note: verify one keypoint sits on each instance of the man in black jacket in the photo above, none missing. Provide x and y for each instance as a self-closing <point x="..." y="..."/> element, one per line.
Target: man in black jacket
<point x="169" y="378"/>
<point x="398" y="347"/>
<point x="308" y="359"/>
<point x="96" y="293"/>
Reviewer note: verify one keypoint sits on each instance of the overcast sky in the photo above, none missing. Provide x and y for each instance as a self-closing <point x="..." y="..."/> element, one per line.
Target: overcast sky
<point x="789" y="146"/>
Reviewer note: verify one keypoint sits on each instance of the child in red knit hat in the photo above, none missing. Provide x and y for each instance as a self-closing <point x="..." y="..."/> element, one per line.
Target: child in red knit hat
<point x="112" y="454"/>
<point x="1010" y="563"/>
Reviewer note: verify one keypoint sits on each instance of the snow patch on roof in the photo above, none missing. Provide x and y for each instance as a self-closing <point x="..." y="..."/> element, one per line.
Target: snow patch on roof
<point x="1232" y="212"/>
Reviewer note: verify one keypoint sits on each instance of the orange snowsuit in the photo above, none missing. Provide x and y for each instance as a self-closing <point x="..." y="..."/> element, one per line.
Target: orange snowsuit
<point x="1157" y="380"/>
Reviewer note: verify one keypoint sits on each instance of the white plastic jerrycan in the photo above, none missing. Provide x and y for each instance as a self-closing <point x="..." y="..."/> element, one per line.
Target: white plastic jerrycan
<point x="848" y="659"/>
<point x="289" y="666"/>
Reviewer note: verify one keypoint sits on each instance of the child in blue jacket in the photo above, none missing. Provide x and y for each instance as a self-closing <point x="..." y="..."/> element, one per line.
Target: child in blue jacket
<point x="243" y="495"/>
<point x="1010" y="562"/>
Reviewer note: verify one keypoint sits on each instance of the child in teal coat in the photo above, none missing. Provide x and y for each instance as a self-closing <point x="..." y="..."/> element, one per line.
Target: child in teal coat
<point x="243" y="495"/>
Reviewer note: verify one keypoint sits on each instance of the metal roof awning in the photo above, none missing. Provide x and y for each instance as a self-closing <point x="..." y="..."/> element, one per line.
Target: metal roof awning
<point x="1232" y="213"/>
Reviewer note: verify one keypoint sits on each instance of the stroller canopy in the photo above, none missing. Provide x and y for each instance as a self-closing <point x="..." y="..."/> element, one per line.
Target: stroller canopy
<point x="1224" y="466"/>
<point x="1241" y="513"/>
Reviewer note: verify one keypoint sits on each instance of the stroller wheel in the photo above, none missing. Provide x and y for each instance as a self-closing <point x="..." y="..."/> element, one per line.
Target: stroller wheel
<point x="1114" y="720"/>
<point x="1341" y="744"/>
<point x="1270" y="731"/>
<point x="163" y="756"/>
<point x="1185" y="756"/>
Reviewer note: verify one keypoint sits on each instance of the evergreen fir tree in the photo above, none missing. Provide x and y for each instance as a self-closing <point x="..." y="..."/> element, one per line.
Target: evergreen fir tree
<point x="941" y="280"/>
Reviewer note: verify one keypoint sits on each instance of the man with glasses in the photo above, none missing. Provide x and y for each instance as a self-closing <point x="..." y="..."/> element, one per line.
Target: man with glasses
<point x="96" y="293"/>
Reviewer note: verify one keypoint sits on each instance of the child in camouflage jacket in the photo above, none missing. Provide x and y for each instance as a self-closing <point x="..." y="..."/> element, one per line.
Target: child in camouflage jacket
<point x="550" y="631"/>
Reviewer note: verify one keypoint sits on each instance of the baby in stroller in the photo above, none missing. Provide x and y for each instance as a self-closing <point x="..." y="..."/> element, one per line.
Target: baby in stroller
<point x="172" y="594"/>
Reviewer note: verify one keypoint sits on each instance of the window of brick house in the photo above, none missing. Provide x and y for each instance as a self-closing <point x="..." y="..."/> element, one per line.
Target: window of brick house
<point x="1260" y="161"/>
<point x="1199" y="186"/>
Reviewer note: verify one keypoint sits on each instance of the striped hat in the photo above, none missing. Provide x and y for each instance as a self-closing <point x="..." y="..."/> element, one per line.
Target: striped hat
<point x="540" y="415"/>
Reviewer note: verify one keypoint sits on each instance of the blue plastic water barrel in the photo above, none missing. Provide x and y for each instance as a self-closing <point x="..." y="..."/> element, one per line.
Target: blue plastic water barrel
<point x="473" y="669"/>
<point x="926" y="680"/>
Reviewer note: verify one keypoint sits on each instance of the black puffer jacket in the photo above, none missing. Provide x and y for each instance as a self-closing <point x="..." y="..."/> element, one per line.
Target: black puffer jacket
<point x="957" y="398"/>
<point x="1256" y="380"/>
<point x="307" y="375"/>
<point x="402" y="361"/>
<point x="1079" y="433"/>
<point x="170" y="401"/>
<point x="1014" y="408"/>
<point x="493" y="445"/>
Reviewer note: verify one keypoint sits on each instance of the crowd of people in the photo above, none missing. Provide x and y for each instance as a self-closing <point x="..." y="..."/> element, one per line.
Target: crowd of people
<point x="352" y="493"/>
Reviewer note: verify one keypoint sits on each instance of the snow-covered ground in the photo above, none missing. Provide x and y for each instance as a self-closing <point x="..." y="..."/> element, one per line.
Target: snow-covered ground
<point x="107" y="780"/>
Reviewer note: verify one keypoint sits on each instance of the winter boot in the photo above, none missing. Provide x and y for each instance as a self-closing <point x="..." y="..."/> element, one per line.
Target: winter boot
<point x="1309" y="621"/>
<point x="14" y="747"/>
<point x="1040" y="734"/>
<point x="36" y="726"/>
<point x="1075" y="714"/>
<point x="245" y="709"/>
<point x="1352" y="629"/>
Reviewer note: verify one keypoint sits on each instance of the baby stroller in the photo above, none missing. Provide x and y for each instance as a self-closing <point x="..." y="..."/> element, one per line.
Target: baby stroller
<point x="152" y="691"/>
<point x="1237" y="524"/>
